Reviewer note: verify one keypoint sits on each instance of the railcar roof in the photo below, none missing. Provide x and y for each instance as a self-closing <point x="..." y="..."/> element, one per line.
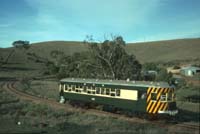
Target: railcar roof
<point x="117" y="82"/>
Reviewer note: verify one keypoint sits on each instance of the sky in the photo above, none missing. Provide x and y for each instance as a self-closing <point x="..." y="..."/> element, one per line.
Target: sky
<point x="73" y="20"/>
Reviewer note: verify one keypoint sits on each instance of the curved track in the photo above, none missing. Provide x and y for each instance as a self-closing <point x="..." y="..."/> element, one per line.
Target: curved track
<point x="11" y="88"/>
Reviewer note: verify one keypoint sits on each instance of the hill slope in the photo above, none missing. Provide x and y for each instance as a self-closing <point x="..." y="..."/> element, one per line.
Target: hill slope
<point x="182" y="49"/>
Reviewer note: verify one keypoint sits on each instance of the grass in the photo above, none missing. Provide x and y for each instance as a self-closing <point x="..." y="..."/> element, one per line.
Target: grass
<point x="189" y="106"/>
<point x="170" y="50"/>
<point x="41" y="88"/>
<point x="182" y="49"/>
<point x="36" y="118"/>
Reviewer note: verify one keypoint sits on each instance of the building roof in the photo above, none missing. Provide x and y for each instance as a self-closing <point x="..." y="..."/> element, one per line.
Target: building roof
<point x="117" y="82"/>
<point x="190" y="68"/>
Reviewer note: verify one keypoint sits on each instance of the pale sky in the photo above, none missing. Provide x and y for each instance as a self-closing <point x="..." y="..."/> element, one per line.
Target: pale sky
<point x="72" y="20"/>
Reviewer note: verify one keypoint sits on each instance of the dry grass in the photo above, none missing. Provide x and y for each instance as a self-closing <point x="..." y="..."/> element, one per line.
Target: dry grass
<point x="183" y="49"/>
<point x="166" y="50"/>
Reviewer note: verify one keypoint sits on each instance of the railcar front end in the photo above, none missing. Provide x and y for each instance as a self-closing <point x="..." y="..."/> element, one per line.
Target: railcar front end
<point x="161" y="101"/>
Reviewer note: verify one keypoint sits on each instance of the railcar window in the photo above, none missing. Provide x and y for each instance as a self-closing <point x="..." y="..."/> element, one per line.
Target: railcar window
<point x="117" y="92"/>
<point x="163" y="97"/>
<point x="93" y="90"/>
<point x="84" y="89"/>
<point x="112" y="92"/>
<point x="69" y="87"/>
<point x="73" y="88"/>
<point x="66" y="88"/>
<point x="153" y="96"/>
<point x="102" y="90"/>
<point x="169" y="96"/>
<point x="89" y="92"/>
<point x="143" y="96"/>
<point x="107" y="91"/>
<point x="97" y="90"/>
<point x="77" y="88"/>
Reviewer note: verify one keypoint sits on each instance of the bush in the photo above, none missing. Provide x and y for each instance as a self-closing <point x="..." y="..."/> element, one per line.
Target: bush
<point x="26" y="83"/>
<point x="188" y="93"/>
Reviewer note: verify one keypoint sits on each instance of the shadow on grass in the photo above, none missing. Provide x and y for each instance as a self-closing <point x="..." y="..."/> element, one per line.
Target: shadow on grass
<point x="71" y="128"/>
<point x="8" y="79"/>
<point x="15" y="69"/>
<point x="188" y="116"/>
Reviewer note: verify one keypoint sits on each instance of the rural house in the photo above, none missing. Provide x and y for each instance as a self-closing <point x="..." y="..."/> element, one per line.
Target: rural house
<point x="190" y="71"/>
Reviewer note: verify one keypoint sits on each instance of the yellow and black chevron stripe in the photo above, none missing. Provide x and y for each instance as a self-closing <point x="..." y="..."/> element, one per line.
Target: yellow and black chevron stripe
<point x="153" y="106"/>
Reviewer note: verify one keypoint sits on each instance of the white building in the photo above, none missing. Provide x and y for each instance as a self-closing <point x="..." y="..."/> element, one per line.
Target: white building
<point x="190" y="71"/>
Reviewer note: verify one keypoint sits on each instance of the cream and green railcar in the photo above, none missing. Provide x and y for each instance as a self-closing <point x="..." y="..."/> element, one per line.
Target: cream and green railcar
<point x="135" y="96"/>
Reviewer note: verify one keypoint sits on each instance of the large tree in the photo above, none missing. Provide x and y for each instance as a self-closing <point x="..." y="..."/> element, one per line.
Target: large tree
<point x="110" y="59"/>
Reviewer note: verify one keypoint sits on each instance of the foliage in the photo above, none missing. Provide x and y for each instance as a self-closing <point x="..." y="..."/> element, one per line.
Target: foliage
<point x="107" y="60"/>
<point x="58" y="56"/>
<point x="111" y="59"/>
<point x="21" y="44"/>
<point x="163" y="75"/>
<point x="150" y="66"/>
<point x="188" y="93"/>
<point x="159" y="74"/>
<point x="26" y="83"/>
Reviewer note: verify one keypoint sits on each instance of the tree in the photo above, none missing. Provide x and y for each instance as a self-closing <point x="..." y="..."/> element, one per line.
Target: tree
<point x="163" y="75"/>
<point x="57" y="56"/>
<point x="105" y="60"/>
<point x="111" y="59"/>
<point x="21" y="44"/>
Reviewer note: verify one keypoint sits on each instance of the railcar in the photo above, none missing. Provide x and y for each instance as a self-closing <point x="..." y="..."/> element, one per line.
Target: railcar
<point x="135" y="96"/>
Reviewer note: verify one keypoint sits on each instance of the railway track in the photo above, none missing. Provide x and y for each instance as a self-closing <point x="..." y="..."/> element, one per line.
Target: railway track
<point x="11" y="88"/>
<point x="189" y="126"/>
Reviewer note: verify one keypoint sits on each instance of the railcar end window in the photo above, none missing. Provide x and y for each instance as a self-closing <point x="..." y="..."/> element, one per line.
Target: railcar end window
<point x="153" y="96"/>
<point x="163" y="97"/>
<point x="169" y="96"/>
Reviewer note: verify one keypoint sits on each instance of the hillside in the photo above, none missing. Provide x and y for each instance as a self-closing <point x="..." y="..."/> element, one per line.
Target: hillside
<point x="182" y="49"/>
